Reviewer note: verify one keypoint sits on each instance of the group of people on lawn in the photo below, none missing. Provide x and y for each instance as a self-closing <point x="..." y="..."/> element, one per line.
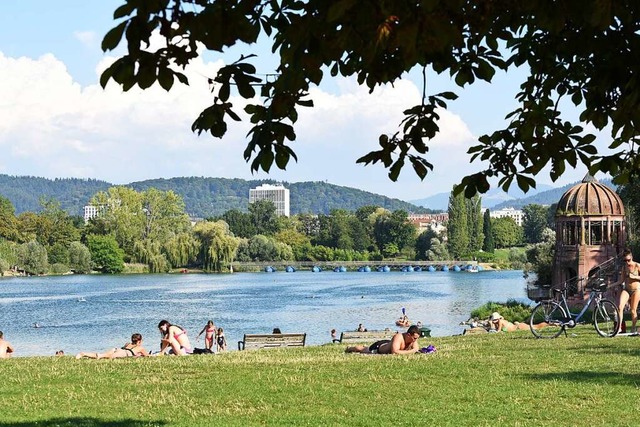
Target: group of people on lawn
<point x="174" y="341"/>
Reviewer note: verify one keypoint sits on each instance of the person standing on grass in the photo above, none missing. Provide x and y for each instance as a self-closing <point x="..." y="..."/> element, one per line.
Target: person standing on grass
<point x="221" y="341"/>
<point x="209" y="332"/>
<point x="401" y="343"/>
<point x="6" y="349"/>
<point x="630" y="294"/>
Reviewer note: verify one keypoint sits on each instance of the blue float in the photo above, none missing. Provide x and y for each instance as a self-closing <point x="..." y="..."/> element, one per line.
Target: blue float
<point x="367" y="269"/>
<point x="290" y="269"/>
<point x="456" y="268"/>
<point x="445" y="268"/>
<point x="418" y="268"/>
<point x="316" y="269"/>
<point x="431" y="268"/>
<point x="269" y="269"/>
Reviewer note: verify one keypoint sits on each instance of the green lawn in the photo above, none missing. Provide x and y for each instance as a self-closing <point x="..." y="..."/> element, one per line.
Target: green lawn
<point x="492" y="379"/>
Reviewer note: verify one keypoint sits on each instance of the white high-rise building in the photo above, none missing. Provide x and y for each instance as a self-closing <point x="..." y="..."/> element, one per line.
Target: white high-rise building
<point x="516" y="214"/>
<point x="90" y="212"/>
<point x="276" y="193"/>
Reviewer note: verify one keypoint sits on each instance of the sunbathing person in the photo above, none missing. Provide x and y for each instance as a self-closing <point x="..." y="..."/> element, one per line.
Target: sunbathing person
<point x="6" y="350"/>
<point x="501" y="325"/>
<point x="174" y="339"/>
<point x="400" y="343"/>
<point x="130" y="349"/>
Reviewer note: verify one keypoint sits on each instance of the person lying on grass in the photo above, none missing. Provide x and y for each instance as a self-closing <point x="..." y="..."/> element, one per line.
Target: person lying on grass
<point x="130" y="349"/>
<point x="6" y="350"/>
<point x="400" y="343"/>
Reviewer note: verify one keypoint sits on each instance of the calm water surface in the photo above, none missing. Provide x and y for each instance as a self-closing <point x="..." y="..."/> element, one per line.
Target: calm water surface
<point x="114" y="307"/>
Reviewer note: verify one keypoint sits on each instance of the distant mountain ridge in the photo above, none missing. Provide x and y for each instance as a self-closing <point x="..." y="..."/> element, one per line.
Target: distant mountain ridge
<point x="548" y="197"/>
<point x="495" y="199"/>
<point x="492" y="198"/>
<point x="203" y="197"/>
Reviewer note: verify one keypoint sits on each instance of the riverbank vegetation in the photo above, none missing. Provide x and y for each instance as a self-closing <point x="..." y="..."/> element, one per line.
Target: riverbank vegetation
<point x="491" y="379"/>
<point x="151" y="228"/>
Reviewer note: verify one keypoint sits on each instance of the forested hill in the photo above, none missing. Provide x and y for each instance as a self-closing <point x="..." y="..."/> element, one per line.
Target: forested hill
<point x="203" y="197"/>
<point x="25" y="192"/>
<point x="213" y="196"/>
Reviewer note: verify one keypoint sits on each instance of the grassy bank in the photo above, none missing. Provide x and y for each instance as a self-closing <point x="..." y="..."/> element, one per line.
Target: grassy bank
<point x="492" y="379"/>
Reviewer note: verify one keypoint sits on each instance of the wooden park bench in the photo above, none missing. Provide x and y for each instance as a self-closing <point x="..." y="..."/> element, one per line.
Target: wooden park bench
<point x="372" y="336"/>
<point x="367" y="336"/>
<point x="257" y="341"/>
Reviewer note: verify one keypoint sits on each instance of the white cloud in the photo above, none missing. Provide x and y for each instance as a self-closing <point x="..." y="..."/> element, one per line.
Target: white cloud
<point x="88" y="38"/>
<point x="53" y="127"/>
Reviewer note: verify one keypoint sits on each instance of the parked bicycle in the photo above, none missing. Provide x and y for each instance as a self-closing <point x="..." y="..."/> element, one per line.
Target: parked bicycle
<point x="552" y="316"/>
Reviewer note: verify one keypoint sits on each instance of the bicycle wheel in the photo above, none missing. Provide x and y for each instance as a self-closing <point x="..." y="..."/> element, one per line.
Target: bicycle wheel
<point x="547" y="319"/>
<point x="606" y="319"/>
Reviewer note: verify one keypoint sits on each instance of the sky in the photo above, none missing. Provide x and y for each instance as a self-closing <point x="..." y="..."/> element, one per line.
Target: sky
<point x="57" y="122"/>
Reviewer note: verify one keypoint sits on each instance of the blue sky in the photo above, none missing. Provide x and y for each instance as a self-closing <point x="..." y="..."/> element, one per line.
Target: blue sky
<point x="56" y="121"/>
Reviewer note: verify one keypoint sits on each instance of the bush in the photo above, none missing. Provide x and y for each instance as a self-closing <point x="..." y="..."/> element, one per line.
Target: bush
<point x="58" y="268"/>
<point x="136" y="268"/>
<point x="512" y="310"/>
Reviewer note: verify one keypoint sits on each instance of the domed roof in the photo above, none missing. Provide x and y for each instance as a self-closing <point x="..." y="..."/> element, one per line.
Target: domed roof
<point x="590" y="198"/>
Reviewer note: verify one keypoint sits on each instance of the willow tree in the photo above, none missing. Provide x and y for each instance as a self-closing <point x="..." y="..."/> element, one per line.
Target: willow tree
<point x="575" y="53"/>
<point x="217" y="245"/>
<point x="182" y="249"/>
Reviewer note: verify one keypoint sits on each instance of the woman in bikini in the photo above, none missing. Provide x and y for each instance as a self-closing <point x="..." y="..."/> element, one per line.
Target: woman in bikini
<point x="174" y="338"/>
<point x="500" y="324"/>
<point x="130" y="349"/>
<point x="209" y="332"/>
<point x="631" y="288"/>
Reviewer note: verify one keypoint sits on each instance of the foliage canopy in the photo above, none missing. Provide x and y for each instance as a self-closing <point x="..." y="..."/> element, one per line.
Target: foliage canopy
<point x="577" y="52"/>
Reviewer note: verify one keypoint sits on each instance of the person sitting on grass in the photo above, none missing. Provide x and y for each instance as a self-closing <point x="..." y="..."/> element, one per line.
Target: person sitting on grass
<point x="6" y="350"/>
<point x="174" y="339"/>
<point x="400" y="343"/>
<point x="130" y="349"/>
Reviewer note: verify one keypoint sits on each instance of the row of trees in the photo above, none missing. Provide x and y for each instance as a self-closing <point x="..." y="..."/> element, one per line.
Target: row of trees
<point x="470" y="234"/>
<point x="151" y="227"/>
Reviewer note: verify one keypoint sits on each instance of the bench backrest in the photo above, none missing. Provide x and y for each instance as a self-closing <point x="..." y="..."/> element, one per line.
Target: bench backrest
<point x="354" y="336"/>
<point x="256" y="341"/>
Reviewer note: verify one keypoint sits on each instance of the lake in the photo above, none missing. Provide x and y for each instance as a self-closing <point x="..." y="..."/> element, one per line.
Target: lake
<point x="96" y="312"/>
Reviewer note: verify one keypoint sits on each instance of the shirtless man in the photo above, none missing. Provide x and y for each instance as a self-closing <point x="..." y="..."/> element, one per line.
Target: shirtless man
<point x="401" y="343"/>
<point x="6" y="349"/>
<point x="631" y="288"/>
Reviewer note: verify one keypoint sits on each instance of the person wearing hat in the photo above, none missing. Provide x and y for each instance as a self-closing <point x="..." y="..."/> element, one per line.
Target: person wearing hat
<point x="501" y="325"/>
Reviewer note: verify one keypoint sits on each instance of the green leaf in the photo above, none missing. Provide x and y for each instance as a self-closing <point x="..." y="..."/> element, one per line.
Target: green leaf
<point x="112" y="39"/>
<point x="266" y="158"/>
<point x="165" y="78"/>
<point x="224" y="91"/>
<point x="106" y="76"/>
<point x="181" y="78"/>
<point x="146" y="77"/>
<point x="124" y="10"/>
<point x="282" y="157"/>
<point x="394" y="172"/>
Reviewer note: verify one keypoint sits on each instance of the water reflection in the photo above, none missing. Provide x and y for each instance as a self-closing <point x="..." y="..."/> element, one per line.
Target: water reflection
<point x="116" y="306"/>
